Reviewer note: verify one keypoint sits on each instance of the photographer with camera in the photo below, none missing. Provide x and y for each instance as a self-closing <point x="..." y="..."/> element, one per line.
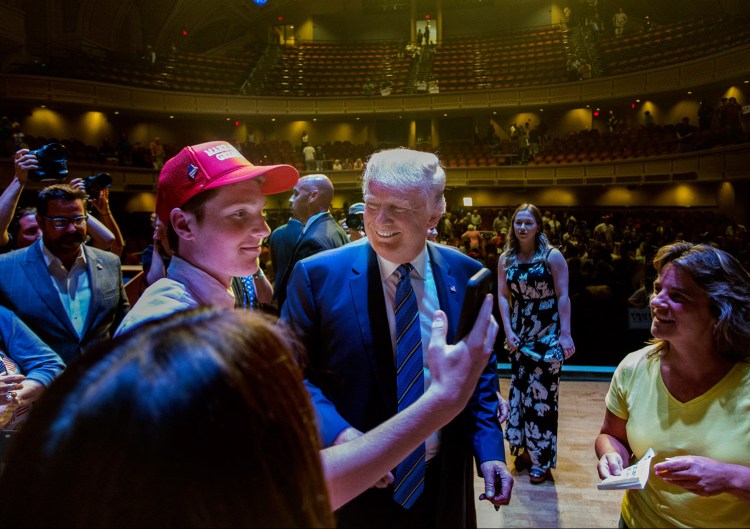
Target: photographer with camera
<point x="104" y="231"/>
<point x="9" y="197"/>
<point x="354" y="225"/>
<point x="19" y="228"/>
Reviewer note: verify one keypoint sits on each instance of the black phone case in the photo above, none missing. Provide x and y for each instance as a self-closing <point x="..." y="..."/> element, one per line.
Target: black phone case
<point x="477" y="287"/>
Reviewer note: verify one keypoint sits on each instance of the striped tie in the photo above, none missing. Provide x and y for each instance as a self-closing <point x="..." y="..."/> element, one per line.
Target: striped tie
<point x="409" y="475"/>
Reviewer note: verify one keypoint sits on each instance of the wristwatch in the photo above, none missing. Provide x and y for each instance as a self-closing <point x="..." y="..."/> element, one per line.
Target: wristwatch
<point x="258" y="274"/>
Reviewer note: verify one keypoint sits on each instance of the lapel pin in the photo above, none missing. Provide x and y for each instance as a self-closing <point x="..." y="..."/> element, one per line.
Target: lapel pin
<point x="453" y="289"/>
<point x="99" y="266"/>
<point x="192" y="171"/>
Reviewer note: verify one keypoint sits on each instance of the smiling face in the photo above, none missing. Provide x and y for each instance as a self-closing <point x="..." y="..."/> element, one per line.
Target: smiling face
<point x="226" y="240"/>
<point x="66" y="242"/>
<point x="396" y="221"/>
<point x="681" y="310"/>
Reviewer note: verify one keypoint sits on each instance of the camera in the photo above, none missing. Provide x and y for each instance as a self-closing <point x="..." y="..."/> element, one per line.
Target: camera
<point x="355" y="221"/>
<point x="53" y="163"/>
<point x="94" y="184"/>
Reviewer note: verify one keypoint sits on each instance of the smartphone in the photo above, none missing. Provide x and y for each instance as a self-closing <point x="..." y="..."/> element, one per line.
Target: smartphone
<point x="477" y="287"/>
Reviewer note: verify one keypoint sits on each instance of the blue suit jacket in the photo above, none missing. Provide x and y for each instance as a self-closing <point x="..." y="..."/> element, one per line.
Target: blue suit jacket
<point x="27" y="289"/>
<point x="336" y="305"/>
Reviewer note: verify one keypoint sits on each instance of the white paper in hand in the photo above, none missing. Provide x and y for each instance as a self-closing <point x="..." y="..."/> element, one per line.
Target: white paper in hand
<point x="633" y="477"/>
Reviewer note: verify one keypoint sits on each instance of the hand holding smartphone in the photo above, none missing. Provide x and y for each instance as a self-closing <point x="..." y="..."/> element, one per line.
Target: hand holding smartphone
<point x="477" y="287"/>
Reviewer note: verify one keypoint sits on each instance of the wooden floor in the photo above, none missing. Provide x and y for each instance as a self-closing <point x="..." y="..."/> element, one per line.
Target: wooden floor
<point x="572" y="500"/>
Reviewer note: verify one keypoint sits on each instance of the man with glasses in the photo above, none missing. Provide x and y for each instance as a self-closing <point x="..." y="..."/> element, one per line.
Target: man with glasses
<point x="68" y="293"/>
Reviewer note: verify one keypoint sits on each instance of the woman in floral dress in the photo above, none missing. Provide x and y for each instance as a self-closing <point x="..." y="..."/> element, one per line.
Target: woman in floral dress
<point x="535" y="309"/>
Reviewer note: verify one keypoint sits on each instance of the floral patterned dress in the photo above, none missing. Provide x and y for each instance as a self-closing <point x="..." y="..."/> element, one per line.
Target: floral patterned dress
<point x="535" y="365"/>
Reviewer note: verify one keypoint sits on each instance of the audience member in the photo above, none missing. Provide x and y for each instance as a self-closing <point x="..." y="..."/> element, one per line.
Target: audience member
<point x="535" y="310"/>
<point x="308" y="152"/>
<point x="685" y="395"/>
<point x="619" y="20"/>
<point x="157" y="153"/>
<point x="68" y="293"/>
<point x="310" y="203"/>
<point x="403" y="192"/>
<point x="475" y="241"/>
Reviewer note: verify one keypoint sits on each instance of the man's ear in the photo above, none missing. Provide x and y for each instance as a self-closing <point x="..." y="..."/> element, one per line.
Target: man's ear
<point x="183" y="223"/>
<point x="434" y="220"/>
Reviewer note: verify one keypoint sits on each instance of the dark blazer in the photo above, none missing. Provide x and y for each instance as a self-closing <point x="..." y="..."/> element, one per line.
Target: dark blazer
<point x="27" y="289"/>
<point x="281" y="244"/>
<point x="323" y="234"/>
<point x="336" y="305"/>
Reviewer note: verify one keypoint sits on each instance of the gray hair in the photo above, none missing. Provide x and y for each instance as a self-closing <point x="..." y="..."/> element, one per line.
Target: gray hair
<point x="403" y="168"/>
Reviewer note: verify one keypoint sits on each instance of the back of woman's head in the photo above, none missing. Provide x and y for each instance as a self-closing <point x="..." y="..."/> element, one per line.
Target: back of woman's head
<point x="200" y="419"/>
<point x="727" y="285"/>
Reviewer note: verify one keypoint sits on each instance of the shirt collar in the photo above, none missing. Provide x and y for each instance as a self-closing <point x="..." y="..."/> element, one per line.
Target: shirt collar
<point x="50" y="258"/>
<point x="206" y="289"/>
<point x="419" y="263"/>
<point x="312" y="219"/>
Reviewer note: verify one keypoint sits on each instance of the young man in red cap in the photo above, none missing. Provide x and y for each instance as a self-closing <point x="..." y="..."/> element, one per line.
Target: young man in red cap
<point x="211" y="199"/>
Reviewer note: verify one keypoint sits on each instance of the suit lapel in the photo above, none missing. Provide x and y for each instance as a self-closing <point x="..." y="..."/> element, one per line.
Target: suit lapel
<point x="447" y="289"/>
<point x="94" y="268"/>
<point x="40" y="280"/>
<point x="368" y="301"/>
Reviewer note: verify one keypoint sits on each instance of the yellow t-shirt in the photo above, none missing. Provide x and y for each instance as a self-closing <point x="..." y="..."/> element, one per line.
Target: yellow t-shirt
<point x="715" y="425"/>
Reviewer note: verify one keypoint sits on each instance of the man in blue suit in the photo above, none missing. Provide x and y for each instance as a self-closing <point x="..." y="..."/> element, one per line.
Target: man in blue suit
<point x="341" y="303"/>
<point x="68" y="293"/>
<point x="310" y="202"/>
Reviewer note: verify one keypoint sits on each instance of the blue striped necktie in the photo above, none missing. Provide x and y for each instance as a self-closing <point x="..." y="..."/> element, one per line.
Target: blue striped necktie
<point x="409" y="475"/>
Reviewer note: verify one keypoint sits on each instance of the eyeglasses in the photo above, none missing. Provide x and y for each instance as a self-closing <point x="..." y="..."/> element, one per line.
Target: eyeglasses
<point x="60" y="223"/>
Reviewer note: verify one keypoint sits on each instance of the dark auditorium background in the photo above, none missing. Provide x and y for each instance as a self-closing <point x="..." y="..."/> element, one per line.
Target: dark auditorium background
<point x="106" y="78"/>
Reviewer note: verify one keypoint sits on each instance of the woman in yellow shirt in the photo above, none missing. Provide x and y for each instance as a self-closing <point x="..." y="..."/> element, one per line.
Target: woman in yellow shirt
<point x="686" y="396"/>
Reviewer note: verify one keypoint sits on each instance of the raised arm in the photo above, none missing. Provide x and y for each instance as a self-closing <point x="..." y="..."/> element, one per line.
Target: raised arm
<point x="101" y="204"/>
<point x="101" y="236"/>
<point x="352" y="467"/>
<point x="11" y="194"/>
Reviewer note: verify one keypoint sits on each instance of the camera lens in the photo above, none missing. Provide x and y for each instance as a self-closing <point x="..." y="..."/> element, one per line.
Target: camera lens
<point x="52" y="161"/>
<point x="95" y="184"/>
<point x="354" y="222"/>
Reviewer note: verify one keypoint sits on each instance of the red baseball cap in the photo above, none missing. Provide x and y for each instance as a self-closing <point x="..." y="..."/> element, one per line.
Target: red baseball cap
<point x="198" y="168"/>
